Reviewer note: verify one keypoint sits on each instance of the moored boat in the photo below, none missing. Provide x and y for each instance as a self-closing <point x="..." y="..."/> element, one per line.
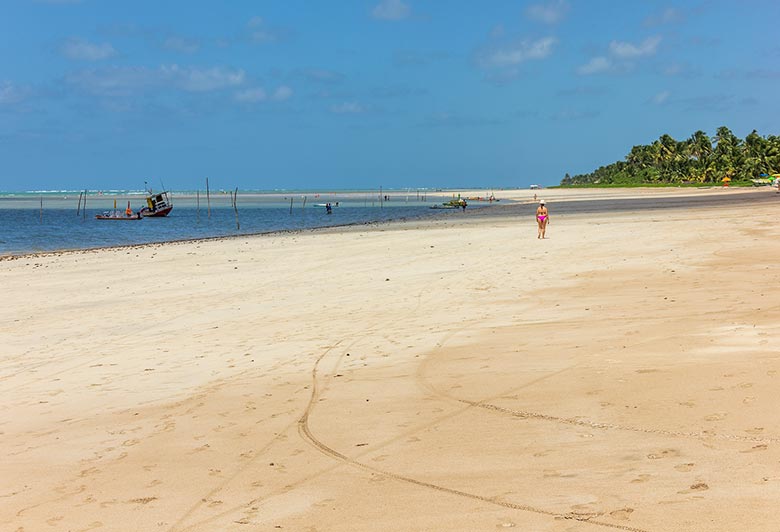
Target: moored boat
<point x="157" y="205"/>
<point x="108" y="215"/>
<point x="116" y="215"/>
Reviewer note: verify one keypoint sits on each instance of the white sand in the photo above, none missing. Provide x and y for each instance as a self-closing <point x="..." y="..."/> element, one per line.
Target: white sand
<point x="448" y="375"/>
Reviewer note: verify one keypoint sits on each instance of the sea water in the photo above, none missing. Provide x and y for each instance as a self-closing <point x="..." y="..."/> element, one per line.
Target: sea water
<point x="39" y="222"/>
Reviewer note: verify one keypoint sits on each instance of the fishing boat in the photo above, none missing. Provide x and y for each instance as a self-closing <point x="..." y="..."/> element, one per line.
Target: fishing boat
<point x="157" y="205"/>
<point x="109" y="215"/>
<point x="128" y="214"/>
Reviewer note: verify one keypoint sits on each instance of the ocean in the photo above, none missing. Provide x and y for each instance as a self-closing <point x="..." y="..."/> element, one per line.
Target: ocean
<point x="32" y="222"/>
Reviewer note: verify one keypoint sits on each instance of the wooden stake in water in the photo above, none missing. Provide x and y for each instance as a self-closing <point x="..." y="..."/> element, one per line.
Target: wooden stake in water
<point x="235" y="208"/>
<point x="78" y="209"/>
<point x="304" y="204"/>
<point x="41" y="215"/>
<point x="84" y="210"/>
<point x="197" y="202"/>
<point x="208" y="197"/>
<point x="291" y="200"/>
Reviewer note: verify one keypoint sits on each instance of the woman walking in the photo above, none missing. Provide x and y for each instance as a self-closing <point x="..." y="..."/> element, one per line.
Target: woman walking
<point x="542" y="218"/>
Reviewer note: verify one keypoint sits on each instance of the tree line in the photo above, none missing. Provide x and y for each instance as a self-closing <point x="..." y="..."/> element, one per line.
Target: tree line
<point x="699" y="159"/>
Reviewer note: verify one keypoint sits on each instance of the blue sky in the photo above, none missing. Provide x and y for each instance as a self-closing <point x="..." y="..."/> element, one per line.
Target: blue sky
<point x="360" y="94"/>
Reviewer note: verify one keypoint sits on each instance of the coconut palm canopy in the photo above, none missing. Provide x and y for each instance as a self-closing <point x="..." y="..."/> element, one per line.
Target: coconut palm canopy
<point x="697" y="159"/>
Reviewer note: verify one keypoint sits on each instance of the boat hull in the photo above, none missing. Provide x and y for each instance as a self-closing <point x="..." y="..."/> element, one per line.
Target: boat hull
<point x="147" y="213"/>
<point x="110" y="217"/>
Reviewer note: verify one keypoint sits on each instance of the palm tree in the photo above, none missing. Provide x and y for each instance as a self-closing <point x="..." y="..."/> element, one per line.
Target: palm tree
<point x="727" y="152"/>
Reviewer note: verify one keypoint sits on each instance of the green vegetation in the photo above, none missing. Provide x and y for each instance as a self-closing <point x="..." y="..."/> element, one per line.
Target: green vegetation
<point x="695" y="161"/>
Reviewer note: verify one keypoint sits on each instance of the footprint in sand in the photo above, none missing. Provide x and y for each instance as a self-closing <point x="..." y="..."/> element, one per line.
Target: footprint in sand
<point x="142" y="500"/>
<point x="663" y="453"/>
<point x="684" y="468"/>
<point x="640" y="479"/>
<point x="624" y="514"/>
<point x="717" y="416"/>
<point x="698" y="486"/>
<point x="756" y="448"/>
<point x="89" y="472"/>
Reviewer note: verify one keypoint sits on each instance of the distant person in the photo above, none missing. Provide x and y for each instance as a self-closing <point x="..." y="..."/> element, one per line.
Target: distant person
<point x="328" y="209"/>
<point x="463" y="204"/>
<point x="542" y="218"/>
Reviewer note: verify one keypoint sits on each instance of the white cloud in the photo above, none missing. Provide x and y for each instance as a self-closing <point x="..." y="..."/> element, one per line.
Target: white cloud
<point x="320" y="75"/>
<point x="595" y="66"/>
<point x="81" y="50"/>
<point x="261" y="32"/>
<point x="669" y="15"/>
<point x="625" y="50"/>
<point x="391" y="10"/>
<point x="259" y="94"/>
<point x="348" y="108"/>
<point x="251" y="95"/>
<point x="125" y="80"/>
<point x="11" y="93"/>
<point x="620" y="56"/>
<point x="549" y="13"/>
<point x="520" y="52"/>
<point x="282" y="93"/>
<point x="661" y="97"/>
<point x="180" y="44"/>
<point x="198" y="80"/>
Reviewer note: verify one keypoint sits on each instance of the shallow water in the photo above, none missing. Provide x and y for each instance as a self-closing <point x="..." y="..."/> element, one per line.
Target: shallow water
<point x="26" y="227"/>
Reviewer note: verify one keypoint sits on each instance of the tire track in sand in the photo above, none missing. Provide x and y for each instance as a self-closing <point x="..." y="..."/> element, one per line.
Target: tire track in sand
<point x="307" y="435"/>
<point x="572" y="421"/>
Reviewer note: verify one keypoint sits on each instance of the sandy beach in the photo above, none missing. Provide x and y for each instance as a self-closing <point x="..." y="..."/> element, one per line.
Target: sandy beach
<point x="454" y="374"/>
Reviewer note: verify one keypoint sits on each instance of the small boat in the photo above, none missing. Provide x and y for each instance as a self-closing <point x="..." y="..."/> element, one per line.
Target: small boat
<point x="116" y="215"/>
<point x="452" y="204"/>
<point x="157" y="205"/>
<point x="109" y="215"/>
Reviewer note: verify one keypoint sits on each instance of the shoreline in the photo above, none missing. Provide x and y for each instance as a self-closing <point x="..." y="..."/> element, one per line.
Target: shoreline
<point x="622" y="200"/>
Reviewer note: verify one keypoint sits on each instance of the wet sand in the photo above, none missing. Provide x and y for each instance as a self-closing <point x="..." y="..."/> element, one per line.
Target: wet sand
<point x="449" y="374"/>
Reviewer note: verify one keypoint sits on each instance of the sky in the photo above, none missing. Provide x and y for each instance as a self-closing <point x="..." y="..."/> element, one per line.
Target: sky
<point x="358" y="94"/>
